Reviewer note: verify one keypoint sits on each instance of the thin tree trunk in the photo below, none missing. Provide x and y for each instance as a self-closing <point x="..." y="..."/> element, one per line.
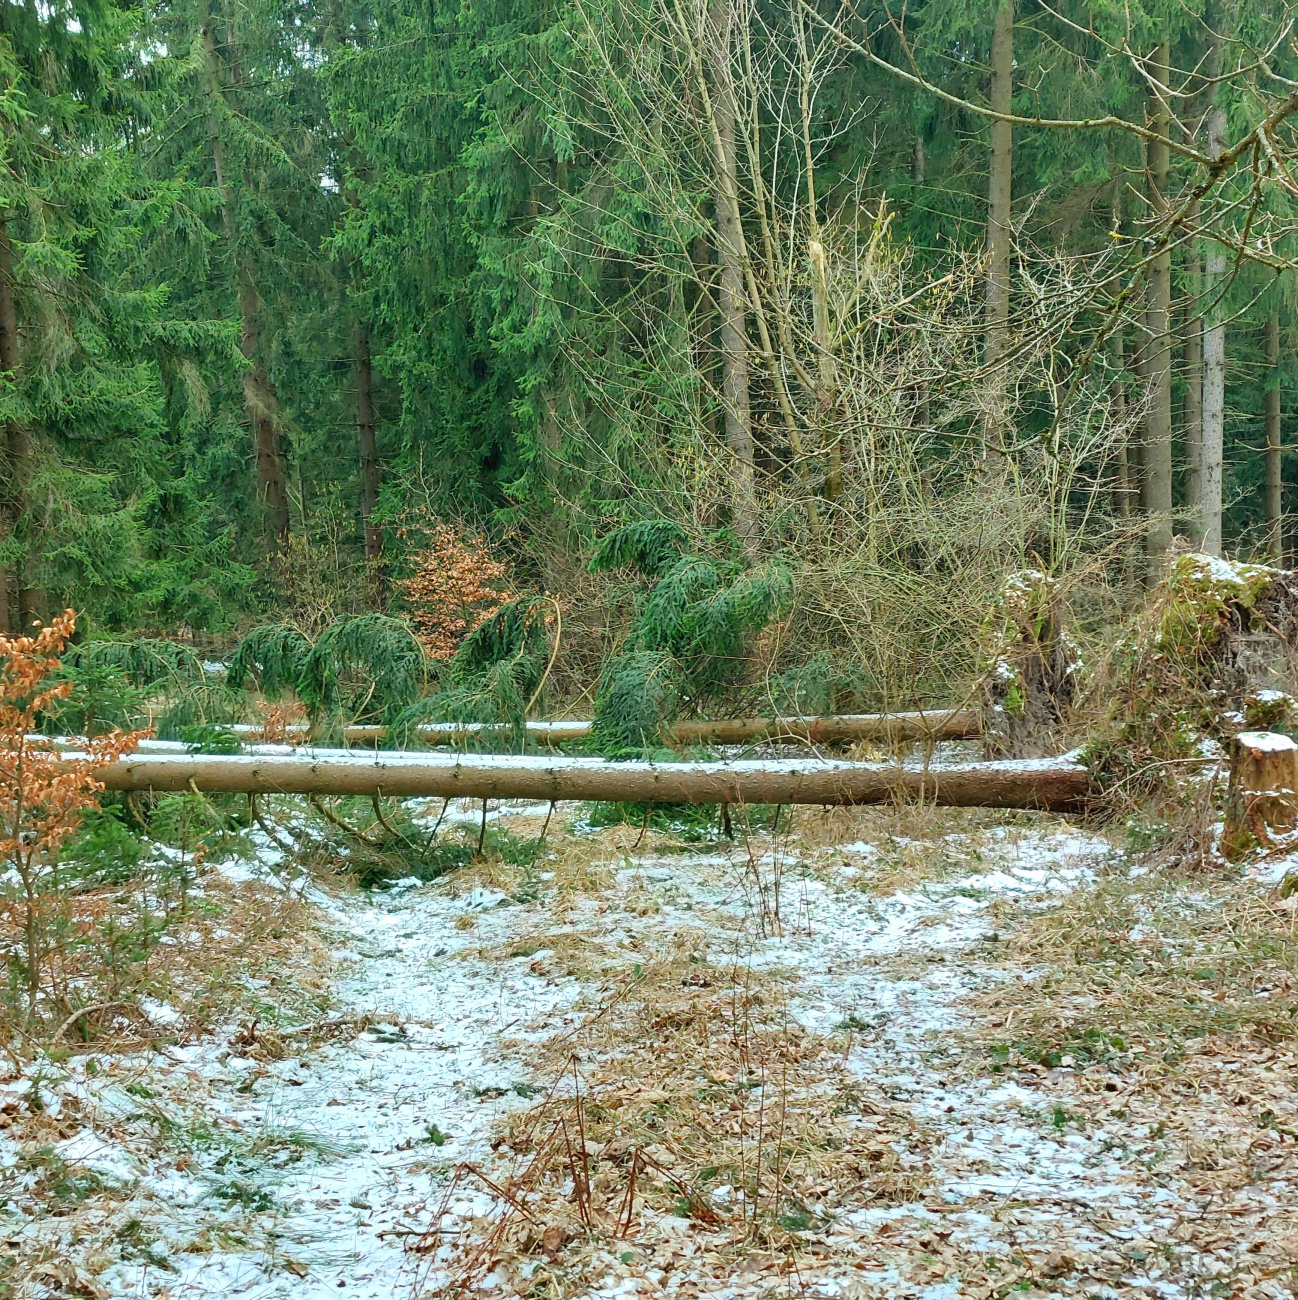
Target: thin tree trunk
<point x="826" y="729"/>
<point x="1000" y="180"/>
<point x="730" y="257"/>
<point x="1126" y="502"/>
<point x="367" y="435"/>
<point x="30" y="604"/>
<point x="1158" y="424"/>
<point x="1123" y="488"/>
<point x="1274" y="482"/>
<point x="1214" y="374"/>
<point x="12" y="491"/>
<point x="260" y="401"/>
<point x="1193" y="345"/>
<point x="1139" y="368"/>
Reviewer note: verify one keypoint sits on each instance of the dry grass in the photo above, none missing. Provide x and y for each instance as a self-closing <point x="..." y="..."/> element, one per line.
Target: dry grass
<point x="687" y="1093"/>
<point x="1160" y="965"/>
<point x="1170" y="998"/>
<point x="215" y="942"/>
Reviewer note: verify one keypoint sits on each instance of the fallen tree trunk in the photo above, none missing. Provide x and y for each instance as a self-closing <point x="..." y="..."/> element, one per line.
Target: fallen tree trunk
<point x="1055" y="784"/>
<point x="832" y="729"/>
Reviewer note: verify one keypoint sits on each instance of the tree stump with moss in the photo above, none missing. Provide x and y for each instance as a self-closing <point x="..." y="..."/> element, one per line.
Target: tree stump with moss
<point x="1261" y="798"/>
<point x="1031" y="679"/>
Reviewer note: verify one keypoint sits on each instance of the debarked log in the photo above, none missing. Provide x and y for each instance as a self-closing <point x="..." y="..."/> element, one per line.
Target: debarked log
<point x="829" y="729"/>
<point x="1055" y="784"/>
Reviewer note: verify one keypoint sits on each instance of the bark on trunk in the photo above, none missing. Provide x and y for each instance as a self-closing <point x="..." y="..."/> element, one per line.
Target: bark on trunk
<point x="1214" y="374"/>
<point x="1124" y="493"/>
<point x="262" y="406"/>
<point x="827" y="371"/>
<point x="260" y="401"/>
<point x="730" y="258"/>
<point x="1193" y="345"/>
<point x="12" y="492"/>
<point x="1158" y="425"/>
<point x="367" y="434"/>
<point x="1274" y="481"/>
<point x="30" y="604"/>
<point x="1000" y="181"/>
<point x="1053" y="784"/>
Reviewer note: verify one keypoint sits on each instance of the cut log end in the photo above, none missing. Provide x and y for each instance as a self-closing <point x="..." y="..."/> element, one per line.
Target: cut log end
<point x="1261" y="799"/>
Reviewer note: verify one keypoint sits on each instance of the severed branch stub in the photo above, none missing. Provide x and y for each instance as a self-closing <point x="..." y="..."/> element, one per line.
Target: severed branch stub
<point x="1261" y="798"/>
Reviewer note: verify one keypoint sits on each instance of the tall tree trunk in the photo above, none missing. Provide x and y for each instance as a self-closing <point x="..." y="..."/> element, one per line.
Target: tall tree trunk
<point x="1208" y="506"/>
<point x="732" y="304"/>
<point x="1126" y="501"/>
<point x="1124" y="487"/>
<point x="1193" y="346"/>
<point x="1000" y="180"/>
<point x="259" y="397"/>
<point x="30" y="603"/>
<point x="1274" y="482"/>
<point x="12" y="446"/>
<point x="367" y="434"/>
<point x="1158" y="424"/>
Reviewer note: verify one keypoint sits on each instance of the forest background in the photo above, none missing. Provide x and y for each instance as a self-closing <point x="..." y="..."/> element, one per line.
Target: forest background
<point x="313" y="309"/>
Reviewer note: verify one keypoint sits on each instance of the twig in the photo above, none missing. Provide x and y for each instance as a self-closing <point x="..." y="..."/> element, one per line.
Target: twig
<point x="330" y="816"/>
<point x="383" y="821"/>
<point x="320" y="1026"/>
<point x="133" y="803"/>
<point x="545" y="676"/>
<point x="253" y="807"/>
<point x="84" y="1011"/>
<point x="501" y="1192"/>
<point x="482" y="829"/>
<point x="624" y="1220"/>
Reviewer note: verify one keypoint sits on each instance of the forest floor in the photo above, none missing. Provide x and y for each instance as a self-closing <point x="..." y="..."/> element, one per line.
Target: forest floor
<point x="910" y="1053"/>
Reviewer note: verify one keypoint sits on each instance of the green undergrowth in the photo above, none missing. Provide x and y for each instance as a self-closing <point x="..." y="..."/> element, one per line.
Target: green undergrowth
<point x="693" y="823"/>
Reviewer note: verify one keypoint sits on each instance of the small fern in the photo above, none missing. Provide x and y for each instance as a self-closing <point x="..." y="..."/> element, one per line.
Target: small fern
<point x="516" y="634"/>
<point x="274" y="655"/>
<point x="650" y="545"/>
<point x="123" y="683"/>
<point x="143" y="663"/>
<point x="707" y="621"/>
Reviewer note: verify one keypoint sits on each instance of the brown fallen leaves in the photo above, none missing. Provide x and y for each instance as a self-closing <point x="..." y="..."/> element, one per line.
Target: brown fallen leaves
<point x="688" y="1098"/>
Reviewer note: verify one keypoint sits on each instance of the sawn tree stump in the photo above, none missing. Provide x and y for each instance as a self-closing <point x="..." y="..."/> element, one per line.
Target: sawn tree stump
<point x="1261" y="797"/>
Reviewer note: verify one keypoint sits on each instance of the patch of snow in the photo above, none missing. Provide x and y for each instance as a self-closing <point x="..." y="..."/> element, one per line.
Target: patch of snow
<point x="159" y="1012"/>
<point x="1267" y="742"/>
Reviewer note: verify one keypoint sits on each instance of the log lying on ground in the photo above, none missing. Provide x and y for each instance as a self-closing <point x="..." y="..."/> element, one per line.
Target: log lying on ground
<point x="1055" y="784"/>
<point x="831" y="729"/>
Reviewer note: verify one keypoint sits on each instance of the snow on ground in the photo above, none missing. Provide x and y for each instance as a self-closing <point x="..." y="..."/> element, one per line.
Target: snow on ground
<point x="309" y="1175"/>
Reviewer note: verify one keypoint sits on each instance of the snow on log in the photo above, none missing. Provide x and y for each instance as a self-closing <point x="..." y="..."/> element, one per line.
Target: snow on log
<point x="831" y="729"/>
<point x="1261" y="796"/>
<point x="1055" y="784"/>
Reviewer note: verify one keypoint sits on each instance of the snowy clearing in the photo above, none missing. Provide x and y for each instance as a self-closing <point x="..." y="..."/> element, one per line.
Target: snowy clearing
<point x="647" y="1068"/>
